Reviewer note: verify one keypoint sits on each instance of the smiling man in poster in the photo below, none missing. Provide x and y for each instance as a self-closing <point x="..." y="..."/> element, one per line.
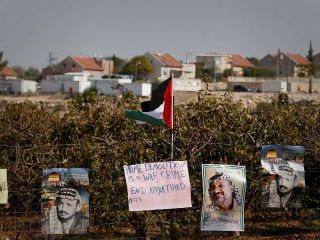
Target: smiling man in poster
<point x="223" y="197"/>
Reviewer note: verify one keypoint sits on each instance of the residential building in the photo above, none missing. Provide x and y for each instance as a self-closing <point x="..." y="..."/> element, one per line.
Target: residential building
<point x="187" y="85"/>
<point x="188" y="71"/>
<point x="316" y="61"/>
<point x="238" y="63"/>
<point x="216" y="61"/>
<point x="184" y="74"/>
<point x="17" y="86"/>
<point x="87" y="65"/>
<point x="219" y="62"/>
<point x="79" y="82"/>
<point x="164" y="66"/>
<point x="285" y="64"/>
<point x="66" y="83"/>
<point x="8" y="73"/>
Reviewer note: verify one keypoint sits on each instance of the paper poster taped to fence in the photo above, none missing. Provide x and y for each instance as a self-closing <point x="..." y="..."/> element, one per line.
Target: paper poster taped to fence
<point x="3" y="186"/>
<point x="283" y="182"/>
<point x="65" y="201"/>
<point x="224" y="188"/>
<point x="158" y="185"/>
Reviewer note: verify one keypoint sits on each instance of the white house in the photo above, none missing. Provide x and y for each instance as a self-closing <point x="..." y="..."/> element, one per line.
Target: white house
<point x="164" y="66"/>
<point x="217" y="61"/>
<point x="188" y="85"/>
<point x="107" y="87"/>
<point x="18" y="86"/>
<point x="79" y="82"/>
<point x="67" y="83"/>
<point x="118" y="77"/>
<point x="220" y="62"/>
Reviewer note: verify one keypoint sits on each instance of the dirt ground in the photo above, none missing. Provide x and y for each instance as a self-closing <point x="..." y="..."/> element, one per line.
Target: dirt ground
<point x="248" y="99"/>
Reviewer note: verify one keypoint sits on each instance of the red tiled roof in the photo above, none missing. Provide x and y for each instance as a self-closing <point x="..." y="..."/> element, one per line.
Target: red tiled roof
<point x="167" y="60"/>
<point x="298" y="59"/>
<point x="239" y="61"/>
<point x="8" y="71"/>
<point x="87" y="63"/>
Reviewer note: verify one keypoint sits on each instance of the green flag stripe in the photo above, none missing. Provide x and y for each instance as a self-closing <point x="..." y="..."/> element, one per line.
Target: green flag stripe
<point x="140" y="116"/>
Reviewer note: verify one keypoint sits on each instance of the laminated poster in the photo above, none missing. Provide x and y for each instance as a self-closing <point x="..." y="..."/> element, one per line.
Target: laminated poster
<point x="224" y="188"/>
<point x="3" y="186"/>
<point x="283" y="181"/>
<point x="65" y="201"/>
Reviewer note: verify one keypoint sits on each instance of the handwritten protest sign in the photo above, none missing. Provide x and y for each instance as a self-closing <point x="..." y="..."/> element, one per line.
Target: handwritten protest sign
<point x="158" y="185"/>
<point x="3" y="186"/>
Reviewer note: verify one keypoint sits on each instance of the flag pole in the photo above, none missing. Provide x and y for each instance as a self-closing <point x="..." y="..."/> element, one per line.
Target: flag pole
<point x="172" y="119"/>
<point x="171" y="155"/>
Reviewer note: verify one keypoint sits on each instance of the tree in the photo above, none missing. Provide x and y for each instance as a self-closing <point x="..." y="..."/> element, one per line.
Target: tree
<point x="227" y="72"/>
<point x="31" y="73"/>
<point x="258" y="72"/>
<point x="19" y="70"/>
<point x="3" y="63"/>
<point x="249" y="72"/>
<point x="310" y="53"/>
<point x="199" y="70"/>
<point x="253" y="60"/>
<point x="202" y="72"/>
<point x="118" y="63"/>
<point x="309" y="70"/>
<point x="137" y="66"/>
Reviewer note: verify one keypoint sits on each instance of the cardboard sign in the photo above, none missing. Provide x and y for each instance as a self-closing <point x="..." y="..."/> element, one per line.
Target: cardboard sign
<point x="158" y="185"/>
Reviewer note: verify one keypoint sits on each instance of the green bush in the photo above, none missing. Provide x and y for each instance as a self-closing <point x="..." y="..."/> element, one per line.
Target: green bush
<point x="95" y="134"/>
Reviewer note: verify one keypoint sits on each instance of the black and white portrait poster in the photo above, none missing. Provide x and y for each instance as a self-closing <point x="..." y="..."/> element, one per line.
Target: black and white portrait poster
<point x="283" y="182"/>
<point x="224" y="188"/>
<point x="3" y="186"/>
<point x="65" y="201"/>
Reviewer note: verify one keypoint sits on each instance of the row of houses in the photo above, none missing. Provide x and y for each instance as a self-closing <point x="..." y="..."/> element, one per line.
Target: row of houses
<point x="283" y="64"/>
<point x="165" y="65"/>
<point x="77" y="73"/>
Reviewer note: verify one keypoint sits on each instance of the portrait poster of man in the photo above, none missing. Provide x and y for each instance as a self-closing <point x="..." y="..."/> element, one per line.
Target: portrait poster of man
<point x="3" y="186"/>
<point x="65" y="201"/>
<point x="224" y="188"/>
<point x="283" y="181"/>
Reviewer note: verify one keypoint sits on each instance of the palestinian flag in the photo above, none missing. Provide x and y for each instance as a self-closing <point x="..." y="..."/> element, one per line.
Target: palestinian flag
<point x="159" y="110"/>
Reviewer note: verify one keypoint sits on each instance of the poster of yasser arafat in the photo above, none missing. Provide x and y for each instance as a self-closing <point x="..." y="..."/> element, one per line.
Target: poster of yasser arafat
<point x="224" y="188"/>
<point x="65" y="201"/>
<point x="283" y="182"/>
<point x="3" y="186"/>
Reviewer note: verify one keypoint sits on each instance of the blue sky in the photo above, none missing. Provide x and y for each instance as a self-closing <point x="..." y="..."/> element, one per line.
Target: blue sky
<point x="30" y="29"/>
